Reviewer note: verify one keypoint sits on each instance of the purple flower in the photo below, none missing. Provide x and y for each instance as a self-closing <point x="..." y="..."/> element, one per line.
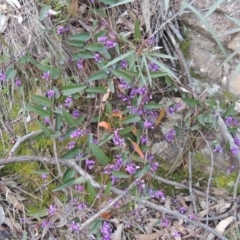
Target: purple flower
<point x="71" y="145"/>
<point x="170" y="135"/>
<point x="171" y="110"/>
<point x="218" y="149"/>
<point x="102" y="39"/>
<point x="79" y="188"/>
<point x="97" y="57"/>
<point x="2" y="76"/>
<point x="60" y="30"/>
<point x="148" y="124"/>
<point x="117" y="140"/>
<point x="234" y="150"/>
<point x="140" y="185"/>
<point x="44" y="223"/>
<point x="123" y="64"/>
<point x="110" y="44"/>
<point x="182" y="210"/>
<point x="90" y="163"/>
<point x="131" y="168"/>
<point x="151" y="40"/>
<point x="237" y="141"/>
<point x="165" y="222"/>
<point x="68" y="101"/>
<point x="81" y="206"/>
<point x="77" y="133"/>
<point x="123" y="84"/>
<point x="143" y="139"/>
<point x="18" y="83"/>
<point x="44" y="176"/>
<point x="142" y="91"/>
<point x="46" y="76"/>
<point x="52" y="209"/>
<point x="192" y="216"/>
<point x="160" y="194"/>
<point x="153" y="67"/>
<point x="231" y="169"/>
<point x="76" y="114"/>
<point x="176" y="234"/>
<point x="106" y="231"/>
<point x="80" y="63"/>
<point x="50" y="93"/>
<point x="46" y="121"/>
<point x="74" y="226"/>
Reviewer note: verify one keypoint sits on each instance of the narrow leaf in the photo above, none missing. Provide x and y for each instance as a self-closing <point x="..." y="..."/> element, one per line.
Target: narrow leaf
<point x="44" y="11"/>
<point x="160" y="117"/>
<point x="80" y="37"/>
<point x="39" y="110"/>
<point x="90" y="189"/>
<point x="143" y="171"/>
<point x="97" y="76"/>
<point x="71" y="89"/>
<point x="120" y="175"/>
<point x="99" y="154"/>
<point x="10" y="73"/>
<point x="137" y="31"/>
<point x="131" y="119"/>
<point x="96" y="90"/>
<point x="44" y="128"/>
<point x="42" y="100"/>
<point x="190" y="102"/>
<point x="229" y="111"/>
<point x="72" y="153"/>
<point x="69" y="118"/>
<point x="137" y="149"/>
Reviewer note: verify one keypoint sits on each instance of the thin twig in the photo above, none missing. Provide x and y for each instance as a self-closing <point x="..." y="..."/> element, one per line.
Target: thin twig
<point x="190" y="182"/>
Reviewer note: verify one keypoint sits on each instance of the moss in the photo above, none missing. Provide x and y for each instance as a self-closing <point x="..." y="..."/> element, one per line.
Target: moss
<point x="227" y="98"/>
<point x="185" y="48"/>
<point x="226" y="181"/>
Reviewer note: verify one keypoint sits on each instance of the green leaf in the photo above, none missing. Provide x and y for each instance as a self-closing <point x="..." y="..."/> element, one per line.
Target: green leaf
<point x="108" y="188"/>
<point x="44" y="128"/>
<point x="211" y="102"/>
<point x="95" y="226"/>
<point x="137" y="31"/>
<point x="125" y="74"/>
<point x="131" y="119"/>
<point x="97" y="76"/>
<point x="151" y="105"/>
<point x="75" y="43"/>
<point x="69" y="173"/>
<point x="119" y="58"/>
<point x="229" y="111"/>
<point x="10" y="73"/>
<point x="82" y="55"/>
<point x="80" y="37"/>
<point x="158" y="74"/>
<point x="54" y="72"/>
<point x="126" y="130"/>
<point x="99" y="154"/>
<point x="108" y="108"/>
<point x="143" y="171"/>
<point x="42" y="100"/>
<point x="69" y="118"/>
<point x="120" y="175"/>
<point x="95" y="47"/>
<point x="100" y="34"/>
<point x="40" y="172"/>
<point x="44" y="11"/>
<point x="39" y="213"/>
<point x="72" y="153"/>
<point x="96" y="90"/>
<point x="160" y="55"/>
<point x="71" y="89"/>
<point x="90" y="190"/>
<point x="200" y="118"/>
<point x="190" y="102"/>
<point x="108" y="2"/>
<point x="68" y="183"/>
<point x="120" y="3"/>
<point x="39" y="110"/>
<point x="58" y="122"/>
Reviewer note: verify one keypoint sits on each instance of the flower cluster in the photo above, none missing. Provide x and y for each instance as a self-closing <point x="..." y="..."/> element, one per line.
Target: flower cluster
<point x="231" y="122"/>
<point x="74" y="227"/>
<point x="117" y="140"/>
<point x="106" y="231"/>
<point x="107" y="42"/>
<point x="2" y="76"/>
<point x="77" y="133"/>
<point x="46" y="76"/>
<point x="169" y="136"/>
<point x="61" y="30"/>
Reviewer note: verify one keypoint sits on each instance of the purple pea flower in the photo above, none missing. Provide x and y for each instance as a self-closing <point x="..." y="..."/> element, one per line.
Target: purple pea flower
<point x="2" y="76"/>
<point x="76" y="114"/>
<point x="131" y="168"/>
<point x="79" y="188"/>
<point x="153" y="67"/>
<point x="117" y="140"/>
<point x="74" y="226"/>
<point x="234" y="150"/>
<point x="71" y="145"/>
<point x="218" y="149"/>
<point x="102" y="39"/>
<point x="52" y="209"/>
<point x="44" y="176"/>
<point x="80" y="63"/>
<point x="110" y="44"/>
<point x="160" y="194"/>
<point x="165" y="222"/>
<point x="151" y="40"/>
<point x="90" y="163"/>
<point x="46" y="121"/>
<point x="18" y="83"/>
<point x="50" y="93"/>
<point x="237" y="141"/>
<point x="97" y="58"/>
<point x="170" y="135"/>
<point x="182" y="210"/>
<point x="148" y="124"/>
<point x="123" y="64"/>
<point x="46" y="76"/>
<point x="60" y="30"/>
<point x="106" y="231"/>
<point x="68" y="101"/>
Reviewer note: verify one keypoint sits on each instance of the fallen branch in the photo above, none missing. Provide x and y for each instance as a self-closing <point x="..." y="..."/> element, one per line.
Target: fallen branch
<point x="72" y="164"/>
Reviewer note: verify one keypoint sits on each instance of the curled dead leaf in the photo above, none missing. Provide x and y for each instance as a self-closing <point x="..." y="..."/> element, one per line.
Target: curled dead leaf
<point x="137" y="149"/>
<point x="160" y="117"/>
<point x="105" y="125"/>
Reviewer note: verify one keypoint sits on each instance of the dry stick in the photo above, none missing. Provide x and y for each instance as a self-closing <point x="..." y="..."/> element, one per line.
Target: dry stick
<point x="228" y="137"/>
<point x="190" y="182"/>
<point x="176" y="184"/>
<point x="72" y="164"/>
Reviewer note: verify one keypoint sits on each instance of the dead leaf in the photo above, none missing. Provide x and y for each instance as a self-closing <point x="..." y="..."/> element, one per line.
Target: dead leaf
<point x="160" y="117"/>
<point x="134" y="131"/>
<point x="117" y="235"/>
<point x="12" y="199"/>
<point x="151" y="236"/>
<point x="137" y="149"/>
<point x="105" y="98"/>
<point x="222" y="206"/>
<point x="222" y="226"/>
<point x="117" y="113"/>
<point x="3" y="23"/>
<point x="73" y="8"/>
<point x="105" y="125"/>
<point x="146" y="14"/>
